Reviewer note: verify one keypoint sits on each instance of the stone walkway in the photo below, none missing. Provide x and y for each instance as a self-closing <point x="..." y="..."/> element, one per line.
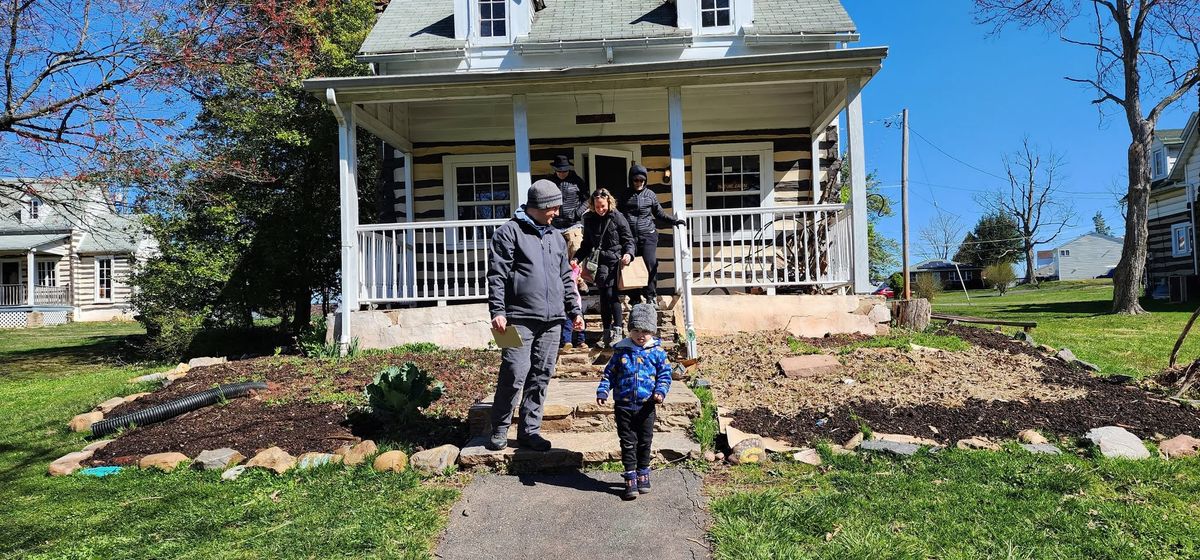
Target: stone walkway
<point x="579" y="516"/>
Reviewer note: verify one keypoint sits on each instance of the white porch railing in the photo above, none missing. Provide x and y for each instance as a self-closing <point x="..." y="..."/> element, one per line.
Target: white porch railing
<point x="424" y="261"/>
<point x="768" y="247"/>
<point x="12" y="294"/>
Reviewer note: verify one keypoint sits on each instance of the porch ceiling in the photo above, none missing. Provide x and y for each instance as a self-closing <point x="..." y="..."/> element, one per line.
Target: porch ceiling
<point x="841" y="64"/>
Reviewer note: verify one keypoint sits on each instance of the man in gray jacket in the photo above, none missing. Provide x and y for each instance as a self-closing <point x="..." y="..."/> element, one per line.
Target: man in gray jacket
<point x="529" y="280"/>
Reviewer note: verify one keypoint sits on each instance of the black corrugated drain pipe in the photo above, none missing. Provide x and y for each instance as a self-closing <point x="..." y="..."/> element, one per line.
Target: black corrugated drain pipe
<point x="169" y="410"/>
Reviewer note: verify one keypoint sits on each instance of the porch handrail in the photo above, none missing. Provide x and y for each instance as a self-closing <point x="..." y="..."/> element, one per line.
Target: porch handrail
<point x="427" y="225"/>
<point x="424" y="261"/>
<point x="770" y="247"/>
<point x="13" y="294"/>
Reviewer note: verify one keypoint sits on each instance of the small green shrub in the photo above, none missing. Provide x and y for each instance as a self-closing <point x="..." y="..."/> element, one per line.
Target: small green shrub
<point x="399" y="393"/>
<point x="926" y="286"/>
<point x="999" y="276"/>
<point x="896" y="283"/>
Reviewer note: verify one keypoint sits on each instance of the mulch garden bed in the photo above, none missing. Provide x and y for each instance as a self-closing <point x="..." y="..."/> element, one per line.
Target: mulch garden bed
<point x="999" y="387"/>
<point x="310" y="405"/>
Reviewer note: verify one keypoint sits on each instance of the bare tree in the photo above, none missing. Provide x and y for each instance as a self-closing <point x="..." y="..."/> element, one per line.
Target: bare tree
<point x="1033" y="200"/>
<point x="1144" y="49"/>
<point x="942" y="235"/>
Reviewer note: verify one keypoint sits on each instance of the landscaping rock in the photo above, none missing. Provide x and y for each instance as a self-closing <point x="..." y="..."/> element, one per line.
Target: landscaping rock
<point x="150" y="378"/>
<point x="233" y="473"/>
<point x="839" y="450"/>
<point x="1046" y="348"/>
<point x="1032" y="437"/>
<point x="1024" y="337"/>
<point x="1087" y="365"/>
<point x="312" y="460"/>
<point x="436" y="459"/>
<point x="358" y="453"/>
<point x="701" y="383"/>
<point x="96" y="445"/>
<point x="747" y="454"/>
<point x="723" y="424"/>
<point x="808" y="456"/>
<point x="217" y="459"/>
<point x="880" y="313"/>
<point x="1066" y="355"/>
<point x="1180" y="446"/>
<point x="202" y="362"/>
<point x="809" y="365"/>
<point x="133" y="397"/>
<point x="893" y="447"/>
<point x="165" y="462"/>
<point x="83" y="422"/>
<point x="977" y="443"/>
<point x="555" y="411"/>
<point x="853" y="442"/>
<point x="735" y="437"/>
<point x="108" y="405"/>
<point x="69" y="463"/>
<point x="274" y="459"/>
<point x="1117" y="442"/>
<point x="391" y="461"/>
<point x="710" y="456"/>
<point x="883" y="329"/>
<point x="773" y="445"/>
<point x="901" y="438"/>
<point x="1041" y="448"/>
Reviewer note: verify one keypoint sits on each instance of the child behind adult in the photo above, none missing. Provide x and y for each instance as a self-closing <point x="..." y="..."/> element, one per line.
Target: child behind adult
<point x="639" y="373"/>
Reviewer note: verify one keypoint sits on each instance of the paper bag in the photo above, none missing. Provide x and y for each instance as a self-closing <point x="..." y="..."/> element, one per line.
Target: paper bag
<point x="633" y="275"/>
<point x="507" y="338"/>
<point x="574" y="238"/>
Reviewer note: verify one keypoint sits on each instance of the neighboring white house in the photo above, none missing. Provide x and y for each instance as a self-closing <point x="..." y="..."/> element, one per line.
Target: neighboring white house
<point x="1090" y="255"/>
<point x="732" y="105"/>
<point x="65" y="254"/>
<point x="1171" y="267"/>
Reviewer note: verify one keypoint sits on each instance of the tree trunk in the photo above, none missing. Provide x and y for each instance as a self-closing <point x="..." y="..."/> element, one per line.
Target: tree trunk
<point x="302" y="316"/>
<point x="912" y="314"/>
<point x="1029" y="262"/>
<point x="1128" y="278"/>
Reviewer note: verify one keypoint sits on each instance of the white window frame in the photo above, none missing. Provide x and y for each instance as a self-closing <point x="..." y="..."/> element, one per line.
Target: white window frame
<point x="766" y="187"/>
<point x="1159" y="162"/>
<point x="51" y="270"/>
<point x="1064" y="252"/>
<point x="34" y="208"/>
<point x="717" y="29"/>
<point x="112" y="283"/>
<point x="450" y="165"/>
<point x="477" y="23"/>
<point x="1186" y="251"/>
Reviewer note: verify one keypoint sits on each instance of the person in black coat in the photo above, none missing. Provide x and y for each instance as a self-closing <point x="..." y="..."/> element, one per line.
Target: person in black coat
<point x="640" y="205"/>
<point x="574" y="192"/>
<point x="607" y="232"/>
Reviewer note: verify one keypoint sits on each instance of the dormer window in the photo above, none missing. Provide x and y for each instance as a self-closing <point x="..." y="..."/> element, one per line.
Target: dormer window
<point x="715" y="14"/>
<point x="35" y="208"/>
<point x="493" y="18"/>
<point x="1160" y="162"/>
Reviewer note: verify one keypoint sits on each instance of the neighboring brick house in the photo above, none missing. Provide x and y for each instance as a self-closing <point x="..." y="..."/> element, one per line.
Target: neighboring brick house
<point x="1171" y="267"/>
<point x="66" y="254"/>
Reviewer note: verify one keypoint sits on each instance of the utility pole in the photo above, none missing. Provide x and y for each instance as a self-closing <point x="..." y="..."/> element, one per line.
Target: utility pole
<point x="904" y="202"/>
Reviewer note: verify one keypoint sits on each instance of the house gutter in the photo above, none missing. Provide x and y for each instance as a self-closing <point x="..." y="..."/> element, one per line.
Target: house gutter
<point x="799" y="38"/>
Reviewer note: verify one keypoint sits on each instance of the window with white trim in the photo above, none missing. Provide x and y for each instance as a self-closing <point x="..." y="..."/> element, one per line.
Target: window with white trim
<point x="104" y="278"/>
<point x="493" y="18"/>
<point x="1160" y="163"/>
<point x="1064" y="253"/>
<point x="1181" y="239"/>
<point x="715" y="14"/>
<point x="46" y="273"/>
<point x="482" y="191"/>
<point x="733" y="176"/>
<point x="35" y="208"/>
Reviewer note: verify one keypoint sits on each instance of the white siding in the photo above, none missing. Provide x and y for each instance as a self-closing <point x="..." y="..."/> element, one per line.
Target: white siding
<point x="1090" y="256"/>
<point x="1192" y="171"/>
<point x="86" y="292"/>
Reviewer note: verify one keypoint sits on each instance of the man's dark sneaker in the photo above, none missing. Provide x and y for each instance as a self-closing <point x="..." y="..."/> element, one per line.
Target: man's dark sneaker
<point x="534" y="442"/>
<point x="498" y="441"/>
<point x="643" y="481"/>
<point x="631" y="485"/>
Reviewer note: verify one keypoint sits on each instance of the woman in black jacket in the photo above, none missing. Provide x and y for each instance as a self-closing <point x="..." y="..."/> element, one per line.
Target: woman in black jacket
<point x="606" y="231"/>
<point x="640" y="205"/>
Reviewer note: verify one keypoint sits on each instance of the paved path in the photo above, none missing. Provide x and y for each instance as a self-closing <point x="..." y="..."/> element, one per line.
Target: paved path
<point x="578" y="516"/>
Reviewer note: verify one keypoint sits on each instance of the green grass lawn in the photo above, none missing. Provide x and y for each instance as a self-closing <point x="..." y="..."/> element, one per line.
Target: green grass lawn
<point x="50" y="374"/>
<point x="959" y="505"/>
<point x="1074" y="314"/>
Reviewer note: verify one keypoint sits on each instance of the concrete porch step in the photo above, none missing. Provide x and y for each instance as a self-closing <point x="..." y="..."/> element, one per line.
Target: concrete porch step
<point x="573" y="451"/>
<point x="571" y="408"/>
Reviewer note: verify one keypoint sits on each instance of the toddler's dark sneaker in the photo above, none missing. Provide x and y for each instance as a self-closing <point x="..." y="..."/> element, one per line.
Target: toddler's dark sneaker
<point x="631" y="485"/>
<point x="643" y="480"/>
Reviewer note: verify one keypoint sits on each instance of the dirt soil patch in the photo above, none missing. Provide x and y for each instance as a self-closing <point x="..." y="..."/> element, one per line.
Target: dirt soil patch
<point x="310" y="405"/>
<point x="996" y="388"/>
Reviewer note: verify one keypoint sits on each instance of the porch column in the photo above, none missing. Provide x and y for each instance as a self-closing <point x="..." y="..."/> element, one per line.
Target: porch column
<point x="858" y="186"/>
<point x="816" y="166"/>
<point x="683" y="249"/>
<point x="521" y="139"/>
<point x="30" y="278"/>
<point x="348" y="189"/>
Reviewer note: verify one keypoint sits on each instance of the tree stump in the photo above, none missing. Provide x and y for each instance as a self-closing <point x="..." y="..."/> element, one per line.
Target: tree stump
<point x="912" y="314"/>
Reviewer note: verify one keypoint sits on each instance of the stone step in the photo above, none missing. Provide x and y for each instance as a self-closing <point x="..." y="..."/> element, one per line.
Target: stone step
<point x="573" y="451"/>
<point x="571" y="407"/>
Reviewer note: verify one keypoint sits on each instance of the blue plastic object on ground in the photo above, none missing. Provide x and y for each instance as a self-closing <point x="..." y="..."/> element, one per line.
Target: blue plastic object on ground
<point x="100" y="472"/>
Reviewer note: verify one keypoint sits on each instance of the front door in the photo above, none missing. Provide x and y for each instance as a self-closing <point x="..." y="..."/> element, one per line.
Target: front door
<point x="11" y="290"/>
<point x="609" y="169"/>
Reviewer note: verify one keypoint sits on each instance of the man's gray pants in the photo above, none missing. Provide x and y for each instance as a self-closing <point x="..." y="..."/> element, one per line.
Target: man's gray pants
<point x="524" y="374"/>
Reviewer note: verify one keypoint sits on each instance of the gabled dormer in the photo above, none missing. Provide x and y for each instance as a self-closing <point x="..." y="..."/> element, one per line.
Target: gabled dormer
<point x="714" y="17"/>
<point x="492" y="22"/>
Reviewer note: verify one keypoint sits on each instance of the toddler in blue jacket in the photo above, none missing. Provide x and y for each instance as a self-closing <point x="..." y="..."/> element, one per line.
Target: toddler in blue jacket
<point x="639" y="377"/>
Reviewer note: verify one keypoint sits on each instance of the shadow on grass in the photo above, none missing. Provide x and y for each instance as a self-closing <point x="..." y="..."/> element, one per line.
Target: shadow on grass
<point x="38" y="362"/>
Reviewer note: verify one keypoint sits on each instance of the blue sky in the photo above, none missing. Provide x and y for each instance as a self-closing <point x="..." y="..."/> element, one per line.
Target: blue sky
<point x="975" y="97"/>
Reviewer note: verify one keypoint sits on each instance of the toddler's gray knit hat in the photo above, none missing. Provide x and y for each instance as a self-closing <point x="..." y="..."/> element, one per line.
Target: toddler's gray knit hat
<point x="544" y="194"/>
<point x="643" y="318"/>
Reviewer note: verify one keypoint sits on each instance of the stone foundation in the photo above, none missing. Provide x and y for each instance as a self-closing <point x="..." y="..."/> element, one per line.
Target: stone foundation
<point x="451" y="326"/>
<point x="809" y="316"/>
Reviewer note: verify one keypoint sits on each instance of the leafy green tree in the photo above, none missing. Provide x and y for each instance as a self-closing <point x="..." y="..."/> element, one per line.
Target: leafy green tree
<point x="1100" y="226"/>
<point x="995" y="239"/>
<point x="882" y="252"/>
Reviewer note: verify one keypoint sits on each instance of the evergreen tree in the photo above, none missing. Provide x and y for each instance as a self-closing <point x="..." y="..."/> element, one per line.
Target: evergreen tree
<point x="1101" y="227"/>
<point x="995" y="239"/>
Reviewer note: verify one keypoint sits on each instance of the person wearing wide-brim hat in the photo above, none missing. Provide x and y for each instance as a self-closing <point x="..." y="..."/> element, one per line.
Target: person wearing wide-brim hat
<point x="530" y="289"/>
<point x="574" y="191"/>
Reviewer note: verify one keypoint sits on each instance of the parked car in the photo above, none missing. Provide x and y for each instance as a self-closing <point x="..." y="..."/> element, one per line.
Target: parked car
<point x="883" y="289"/>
